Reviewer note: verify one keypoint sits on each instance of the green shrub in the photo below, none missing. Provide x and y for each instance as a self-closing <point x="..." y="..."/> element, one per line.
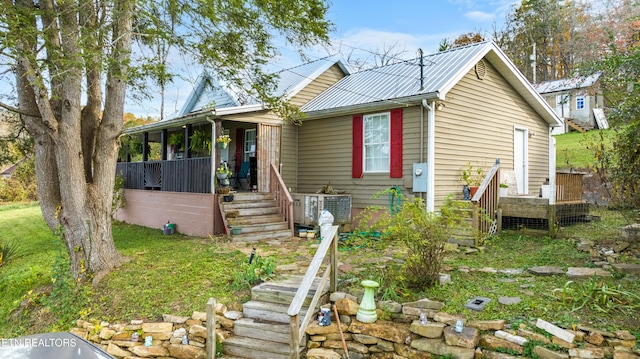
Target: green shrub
<point x="8" y="250"/>
<point x="424" y="234"/>
<point x="255" y="272"/>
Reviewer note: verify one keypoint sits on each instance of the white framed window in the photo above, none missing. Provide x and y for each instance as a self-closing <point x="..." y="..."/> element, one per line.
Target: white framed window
<point x="376" y="142"/>
<point x="249" y="144"/>
<point x="579" y="102"/>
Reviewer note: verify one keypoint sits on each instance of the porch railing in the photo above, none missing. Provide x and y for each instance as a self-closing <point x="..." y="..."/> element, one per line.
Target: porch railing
<point x="186" y="175"/>
<point x="296" y="327"/>
<point x="568" y="187"/>
<point x="282" y="196"/>
<point x="485" y="201"/>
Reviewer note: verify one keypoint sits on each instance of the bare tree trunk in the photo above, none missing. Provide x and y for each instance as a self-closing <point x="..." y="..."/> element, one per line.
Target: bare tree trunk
<point x="76" y="150"/>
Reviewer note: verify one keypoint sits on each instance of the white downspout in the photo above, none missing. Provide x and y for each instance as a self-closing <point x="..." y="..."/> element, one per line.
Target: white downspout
<point x="431" y="156"/>
<point x="552" y="167"/>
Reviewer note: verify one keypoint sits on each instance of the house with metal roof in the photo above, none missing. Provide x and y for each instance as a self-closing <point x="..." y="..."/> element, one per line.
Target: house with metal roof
<point x="413" y="126"/>
<point x="578" y="101"/>
<point x="181" y="184"/>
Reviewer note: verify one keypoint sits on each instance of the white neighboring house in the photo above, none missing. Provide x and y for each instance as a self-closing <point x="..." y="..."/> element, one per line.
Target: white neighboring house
<point x="577" y="101"/>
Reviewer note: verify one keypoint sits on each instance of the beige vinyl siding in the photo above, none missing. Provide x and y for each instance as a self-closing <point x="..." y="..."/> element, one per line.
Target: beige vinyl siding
<point x="324" y="148"/>
<point x="477" y="126"/>
<point x="318" y="85"/>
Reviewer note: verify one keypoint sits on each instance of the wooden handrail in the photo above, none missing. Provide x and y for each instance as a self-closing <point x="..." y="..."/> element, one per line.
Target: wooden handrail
<point x="225" y="222"/>
<point x="485" y="200"/>
<point x="282" y="196"/>
<point x="298" y="328"/>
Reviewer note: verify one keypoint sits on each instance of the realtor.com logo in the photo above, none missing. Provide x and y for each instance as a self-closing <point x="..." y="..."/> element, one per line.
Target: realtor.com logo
<point x="38" y="342"/>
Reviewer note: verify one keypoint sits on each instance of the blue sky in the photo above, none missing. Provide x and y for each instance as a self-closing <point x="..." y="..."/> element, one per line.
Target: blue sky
<point x="371" y="25"/>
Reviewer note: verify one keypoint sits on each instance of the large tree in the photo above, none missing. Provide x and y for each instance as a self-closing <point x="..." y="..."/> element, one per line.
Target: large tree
<point x="555" y="29"/>
<point x="73" y="60"/>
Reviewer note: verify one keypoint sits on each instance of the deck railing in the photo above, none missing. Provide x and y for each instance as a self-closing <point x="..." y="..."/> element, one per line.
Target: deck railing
<point x="282" y="196"/>
<point x="298" y="328"/>
<point x="568" y="187"/>
<point x="186" y="175"/>
<point x="485" y="201"/>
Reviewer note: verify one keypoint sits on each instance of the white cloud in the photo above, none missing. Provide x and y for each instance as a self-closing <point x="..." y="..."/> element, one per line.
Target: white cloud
<point x="479" y="16"/>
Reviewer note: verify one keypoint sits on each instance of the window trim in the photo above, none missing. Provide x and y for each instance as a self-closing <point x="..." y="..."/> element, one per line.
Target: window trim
<point x="364" y="143"/>
<point x="581" y="99"/>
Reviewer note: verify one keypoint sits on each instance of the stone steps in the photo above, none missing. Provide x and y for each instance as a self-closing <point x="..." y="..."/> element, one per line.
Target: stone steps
<point x="264" y="330"/>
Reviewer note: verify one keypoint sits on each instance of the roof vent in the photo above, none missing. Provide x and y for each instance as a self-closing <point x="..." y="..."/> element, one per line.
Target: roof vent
<point x="481" y="69"/>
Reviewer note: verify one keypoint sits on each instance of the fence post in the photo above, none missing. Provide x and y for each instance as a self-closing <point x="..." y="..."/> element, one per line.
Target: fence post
<point x="211" y="328"/>
<point x="333" y="282"/>
<point x="294" y="328"/>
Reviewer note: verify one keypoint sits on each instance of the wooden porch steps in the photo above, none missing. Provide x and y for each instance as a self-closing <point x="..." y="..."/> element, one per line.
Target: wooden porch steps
<point x="263" y="332"/>
<point x="574" y="125"/>
<point x="258" y="215"/>
<point x="463" y="234"/>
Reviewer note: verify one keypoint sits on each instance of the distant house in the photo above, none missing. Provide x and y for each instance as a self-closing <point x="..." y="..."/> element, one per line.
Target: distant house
<point x="8" y="172"/>
<point x="577" y="101"/>
<point x="414" y="125"/>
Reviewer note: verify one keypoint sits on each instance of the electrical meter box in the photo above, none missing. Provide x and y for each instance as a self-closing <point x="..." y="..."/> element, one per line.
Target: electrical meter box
<point x="419" y="177"/>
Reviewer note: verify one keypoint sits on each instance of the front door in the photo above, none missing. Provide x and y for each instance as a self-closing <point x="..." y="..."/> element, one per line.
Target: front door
<point x="520" y="159"/>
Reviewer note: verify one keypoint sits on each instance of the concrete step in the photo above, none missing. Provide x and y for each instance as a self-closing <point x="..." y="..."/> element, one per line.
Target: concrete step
<point x="258" y="236"/>
<point x="252" y="348"/>
<point x="267" y="311"/>
<point x="258" y="328"/>
<point x="283" y="291"/>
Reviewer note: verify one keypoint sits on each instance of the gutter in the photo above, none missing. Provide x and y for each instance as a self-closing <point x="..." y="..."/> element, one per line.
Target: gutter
<point x="431" y="156"/>
<point x="373" y="106"/>
<point x="193" y="118"/>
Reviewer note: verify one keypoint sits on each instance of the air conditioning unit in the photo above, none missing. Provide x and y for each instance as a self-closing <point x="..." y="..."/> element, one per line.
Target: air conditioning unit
<point x="308" y="206"/>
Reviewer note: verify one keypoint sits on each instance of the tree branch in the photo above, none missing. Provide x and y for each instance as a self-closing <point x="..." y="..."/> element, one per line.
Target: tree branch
<point x="19" y="111"/>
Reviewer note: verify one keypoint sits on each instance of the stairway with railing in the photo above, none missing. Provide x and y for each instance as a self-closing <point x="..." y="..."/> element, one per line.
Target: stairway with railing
<point x="485" y="203"/>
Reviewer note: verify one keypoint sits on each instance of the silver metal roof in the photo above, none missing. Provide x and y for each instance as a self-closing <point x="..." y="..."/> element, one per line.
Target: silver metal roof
<point x="210" y="94"/>
<point x="400" y="84"/>
<point x="566" y="84"/>
<point x="401" y="80"/>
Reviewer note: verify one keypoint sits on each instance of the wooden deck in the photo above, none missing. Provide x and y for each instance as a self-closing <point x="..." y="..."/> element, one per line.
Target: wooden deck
<point x="536" y="209"/>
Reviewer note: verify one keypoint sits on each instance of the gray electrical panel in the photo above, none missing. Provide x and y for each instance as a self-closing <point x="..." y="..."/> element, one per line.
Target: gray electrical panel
<point x="419" y="177"/>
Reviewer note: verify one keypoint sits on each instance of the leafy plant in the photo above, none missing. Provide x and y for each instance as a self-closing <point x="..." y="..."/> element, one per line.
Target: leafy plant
<point x="424" y="234"/>
<point x="596" y="294"/>
<point x="223" y="139"/>
<point x="176" y="139"/>
<point x="472" y="176"/>
<point x="259" y="270"/>
<point x="118" y="201"/>
<point x="8" y="250"/>
<point x="200" y="140"/>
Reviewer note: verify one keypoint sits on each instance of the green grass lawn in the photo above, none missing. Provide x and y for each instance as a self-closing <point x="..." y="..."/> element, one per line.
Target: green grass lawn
<point x="32" y="267"/>
<point x="177" y="274"/>
<point x="576" y="150"/>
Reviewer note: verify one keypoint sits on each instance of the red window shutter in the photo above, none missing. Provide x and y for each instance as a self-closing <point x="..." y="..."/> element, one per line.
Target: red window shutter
<point x="396" y="144"/>
<point x="356" y="153"/>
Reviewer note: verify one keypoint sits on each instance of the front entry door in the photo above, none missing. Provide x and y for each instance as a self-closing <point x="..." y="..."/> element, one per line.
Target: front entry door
<point x="268" y="153"/>
<point x="520" y="159"/>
